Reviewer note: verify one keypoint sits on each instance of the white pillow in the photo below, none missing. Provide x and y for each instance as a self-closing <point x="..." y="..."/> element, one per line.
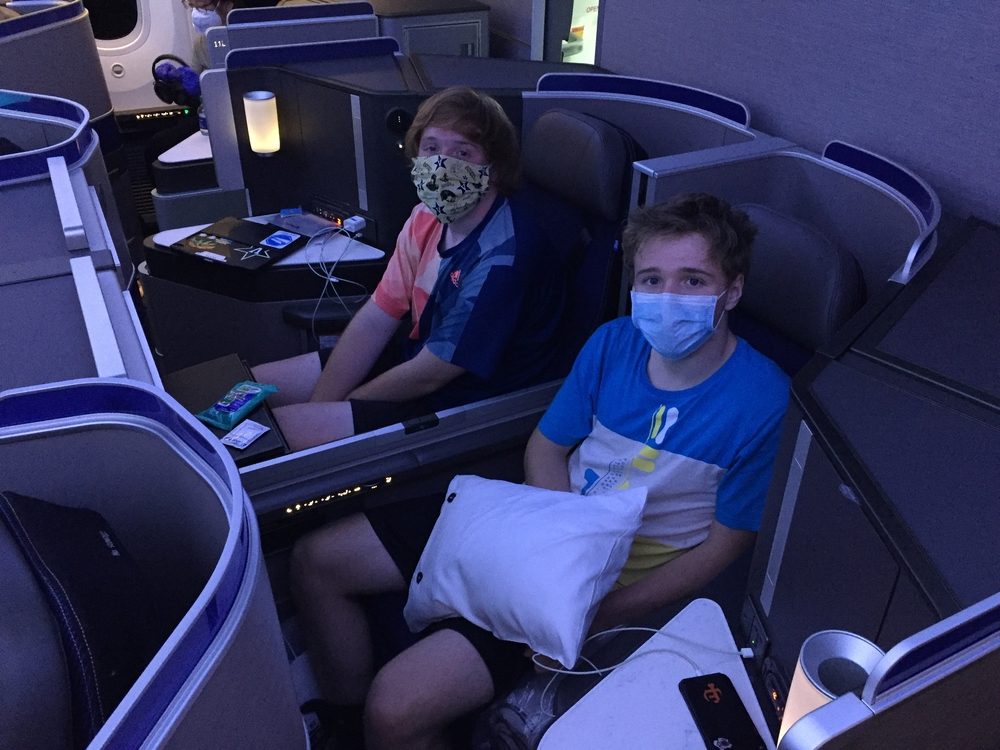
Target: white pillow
<point x="527" y="564"/>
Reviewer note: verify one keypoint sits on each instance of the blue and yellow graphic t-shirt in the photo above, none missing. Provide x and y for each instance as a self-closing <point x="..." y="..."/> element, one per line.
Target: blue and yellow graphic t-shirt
<point x="705" y="452"/>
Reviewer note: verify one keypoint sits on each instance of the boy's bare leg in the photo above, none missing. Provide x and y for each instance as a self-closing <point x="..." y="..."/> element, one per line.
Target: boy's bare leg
<point x="314" y="422"/>
<point x="295" y="377"/>
<point x="418" y="694"/>
<point x="330" y="569"/>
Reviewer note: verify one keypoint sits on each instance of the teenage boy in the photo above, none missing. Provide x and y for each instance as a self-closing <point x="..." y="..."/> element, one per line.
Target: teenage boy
<point x="474" y="269"/>
<point x="671" y="400"/>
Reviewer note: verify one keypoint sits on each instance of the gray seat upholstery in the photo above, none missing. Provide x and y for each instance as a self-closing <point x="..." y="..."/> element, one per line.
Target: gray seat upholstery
<point x="801" y="288"/>
<point x="35" y="709"/>
<point x="800" y="282"/>
<point x="587" y="163"/>
<point x="580" y="158"/>
<point x="835" y="229"/>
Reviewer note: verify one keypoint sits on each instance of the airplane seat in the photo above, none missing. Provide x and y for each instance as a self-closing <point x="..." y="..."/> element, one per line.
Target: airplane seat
<point x="71" y="650"/>
<point x="32" y="658"/>
<point x="836" y="230"/>
<point x="587" y="162"/>
<point x="802" y="286"/>
<point x="137" y="608"/>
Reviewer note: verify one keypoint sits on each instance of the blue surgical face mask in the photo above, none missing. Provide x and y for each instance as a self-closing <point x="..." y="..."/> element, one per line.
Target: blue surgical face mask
<point x="675" y="325"/>
<point x="204" y="18"/>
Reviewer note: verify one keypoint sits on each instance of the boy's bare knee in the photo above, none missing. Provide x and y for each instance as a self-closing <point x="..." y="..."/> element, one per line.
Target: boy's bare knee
<point x="414" y="697"/>
<point x="345" y="557"/>
<point x="314" y="559"/>
<point x="303" y="561"/>
<point x="308" y="424"/>
<point x="390" y="711"/>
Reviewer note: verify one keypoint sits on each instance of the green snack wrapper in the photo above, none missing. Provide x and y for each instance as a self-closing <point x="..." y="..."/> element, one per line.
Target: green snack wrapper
<point x="238" y="402"/>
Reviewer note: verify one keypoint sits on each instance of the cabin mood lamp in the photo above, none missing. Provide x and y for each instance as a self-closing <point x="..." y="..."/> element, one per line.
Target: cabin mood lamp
<point x="831" y="663"/>
<point x="261" y="109"/>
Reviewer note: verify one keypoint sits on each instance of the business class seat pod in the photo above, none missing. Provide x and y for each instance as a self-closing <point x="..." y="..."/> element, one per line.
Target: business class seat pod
<point x="172" y="495"/>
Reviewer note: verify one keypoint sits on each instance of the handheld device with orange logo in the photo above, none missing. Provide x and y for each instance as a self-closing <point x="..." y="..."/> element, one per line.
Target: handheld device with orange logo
<point x="719" y="713"/>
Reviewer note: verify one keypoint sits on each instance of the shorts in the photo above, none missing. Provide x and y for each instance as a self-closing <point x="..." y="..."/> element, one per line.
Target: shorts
<point x="403" y="529"/>
<point x="373" y="415"/>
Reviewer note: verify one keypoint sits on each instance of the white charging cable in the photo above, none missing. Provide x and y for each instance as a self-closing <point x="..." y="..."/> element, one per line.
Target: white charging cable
<point x="324" y="269"/>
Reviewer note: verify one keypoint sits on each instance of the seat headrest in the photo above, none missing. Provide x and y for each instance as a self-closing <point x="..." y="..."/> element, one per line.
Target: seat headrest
<point x="800" y="284"/>
<point x="580" y="158"/>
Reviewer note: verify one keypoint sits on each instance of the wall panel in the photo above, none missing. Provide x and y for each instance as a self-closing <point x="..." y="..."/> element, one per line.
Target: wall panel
<point x="510" y="27"/>
<point x="914" y="81"/>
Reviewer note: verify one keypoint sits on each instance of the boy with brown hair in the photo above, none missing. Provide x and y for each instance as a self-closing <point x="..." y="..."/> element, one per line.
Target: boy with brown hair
<point x="475" y="268"/>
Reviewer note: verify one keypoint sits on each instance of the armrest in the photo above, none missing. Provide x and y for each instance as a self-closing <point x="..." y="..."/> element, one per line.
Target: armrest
<point x="330" y="316"/>
<point x="710" y="157"/>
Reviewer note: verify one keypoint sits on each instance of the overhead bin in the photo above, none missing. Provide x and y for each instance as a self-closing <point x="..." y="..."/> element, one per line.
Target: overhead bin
<point x="172" y="501"/>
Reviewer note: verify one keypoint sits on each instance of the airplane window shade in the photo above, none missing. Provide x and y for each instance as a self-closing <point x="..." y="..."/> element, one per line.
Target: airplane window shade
<point x="112" y="19"/>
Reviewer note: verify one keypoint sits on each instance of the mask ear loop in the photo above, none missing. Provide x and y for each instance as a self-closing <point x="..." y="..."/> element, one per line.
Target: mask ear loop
<point x="715" y="307"/>
<point x="725" y="308"/>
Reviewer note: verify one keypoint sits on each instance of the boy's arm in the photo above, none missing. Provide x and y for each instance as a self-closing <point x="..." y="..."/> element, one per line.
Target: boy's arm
<point x="676" y="579"/>
<point x="358" y="347"/>
<point x="420" y="376"/>
<point x="374" y="324"/>
<point x="545" y="463"/>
